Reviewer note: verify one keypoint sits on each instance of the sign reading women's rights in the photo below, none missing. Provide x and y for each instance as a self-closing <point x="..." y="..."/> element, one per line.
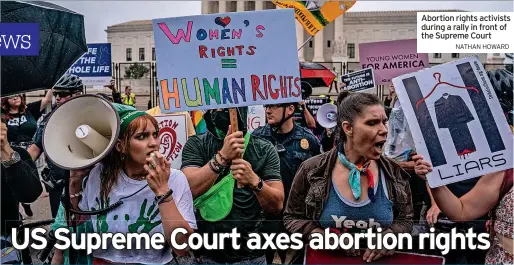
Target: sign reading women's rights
<point x="456" y="121"/>
<point x="94" y="67"/>
<point x="390" y="59"/>
<point x="227" y="60"/>
<point x="358" y="81"/>
<point x="173" y="136"/>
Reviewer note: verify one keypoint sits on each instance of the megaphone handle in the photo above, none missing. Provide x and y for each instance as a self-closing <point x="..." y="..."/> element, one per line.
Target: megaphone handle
<point x="234" y="125"/>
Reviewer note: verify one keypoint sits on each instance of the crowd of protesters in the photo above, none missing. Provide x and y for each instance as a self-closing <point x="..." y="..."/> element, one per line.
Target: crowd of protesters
<point x="280" y="178"/>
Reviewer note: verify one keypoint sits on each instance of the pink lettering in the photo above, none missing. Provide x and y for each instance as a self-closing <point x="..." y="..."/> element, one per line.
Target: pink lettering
<point x="180" y="33"/>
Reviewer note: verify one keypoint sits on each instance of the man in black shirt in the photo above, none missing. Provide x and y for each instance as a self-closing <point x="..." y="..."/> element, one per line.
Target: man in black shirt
<point x="20" y="184"/>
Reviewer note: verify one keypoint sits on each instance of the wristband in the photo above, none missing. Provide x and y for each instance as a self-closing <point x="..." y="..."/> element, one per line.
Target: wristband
<point x="213" y="167"/>
<point x="160" y="199"/>
<point x="227" y="161"/>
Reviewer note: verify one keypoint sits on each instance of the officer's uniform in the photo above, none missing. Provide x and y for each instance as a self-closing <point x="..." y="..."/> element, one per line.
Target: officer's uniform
<point x="298" y="145"/>
<point x="56" y="172"/>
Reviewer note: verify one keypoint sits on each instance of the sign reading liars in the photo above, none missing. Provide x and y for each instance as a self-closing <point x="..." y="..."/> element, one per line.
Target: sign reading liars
<point x="173" y="137"/>
<point x="227" y="60"/>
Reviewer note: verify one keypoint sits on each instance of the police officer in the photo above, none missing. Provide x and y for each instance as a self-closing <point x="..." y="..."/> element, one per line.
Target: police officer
<point x="67" y="87"/>
<point x="294" y="144"/>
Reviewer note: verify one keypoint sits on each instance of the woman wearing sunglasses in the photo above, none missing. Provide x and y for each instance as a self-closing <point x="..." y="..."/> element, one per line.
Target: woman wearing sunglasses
<point x="156" y="198"/>
<point x="21" y="121"/>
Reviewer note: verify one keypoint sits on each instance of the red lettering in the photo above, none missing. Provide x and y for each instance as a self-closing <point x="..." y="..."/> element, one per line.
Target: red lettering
<point x="265" y="85"/>
<point x="273" y="93"/>
<point x="251" y="50"/>
<point x="202" y="50"/>
<point x="290" y="85"/>
<point x="230" y="51"/>
<point x="221" y="51"/>
<point x="297" y="85"/>
<point x="283" y="86"/>
<point x="240" y="49"/>
<point x="213" y="52"/>
<point x="255" y="88"/>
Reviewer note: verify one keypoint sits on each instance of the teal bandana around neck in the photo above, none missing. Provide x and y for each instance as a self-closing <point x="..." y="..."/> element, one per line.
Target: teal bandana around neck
<point x="354" y="177"/>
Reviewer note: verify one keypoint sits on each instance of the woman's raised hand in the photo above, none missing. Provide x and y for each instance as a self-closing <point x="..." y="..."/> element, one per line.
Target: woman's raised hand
<point x="158" y="170"/>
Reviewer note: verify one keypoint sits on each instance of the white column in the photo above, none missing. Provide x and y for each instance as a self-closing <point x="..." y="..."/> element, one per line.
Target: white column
<point x="259" y="5"/>
<point x="318" y="47"/>
<point x="240" y="6"/>
<point x="222" y="6"/>
<point x="338" y="33"/>
<point x="205" y="7"/>
<point x="300" y="40"/>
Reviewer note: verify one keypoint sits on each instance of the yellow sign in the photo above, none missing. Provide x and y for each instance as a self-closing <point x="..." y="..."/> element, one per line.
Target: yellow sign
<point x="315" y="15"/>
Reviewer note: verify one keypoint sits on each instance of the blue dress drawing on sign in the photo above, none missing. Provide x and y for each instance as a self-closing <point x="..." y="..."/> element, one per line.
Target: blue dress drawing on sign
<point x="103" y="57"/>
<point x="453" y="114"/>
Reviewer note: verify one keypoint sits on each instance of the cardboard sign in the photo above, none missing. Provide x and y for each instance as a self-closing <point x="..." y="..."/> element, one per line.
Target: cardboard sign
<point x="456" y="121"/>
<point x="173" y="136"/>
<point x="315" y="15"/>
<point x="358" y="81"/>
<point x="390" y="59"/>
<point x="94" y="67"/>
<point x="256" y="117"/>
<point x="227" y="60"/>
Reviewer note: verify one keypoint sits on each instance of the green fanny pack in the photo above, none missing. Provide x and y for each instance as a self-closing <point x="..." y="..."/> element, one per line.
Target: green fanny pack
<point x="216" y="203"/>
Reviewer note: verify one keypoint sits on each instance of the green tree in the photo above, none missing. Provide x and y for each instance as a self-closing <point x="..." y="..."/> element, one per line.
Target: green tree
<point x="136" y="71"/>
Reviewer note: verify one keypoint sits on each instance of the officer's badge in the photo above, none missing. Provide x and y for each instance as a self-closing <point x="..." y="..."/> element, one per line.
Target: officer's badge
<point x="304" y="144"/>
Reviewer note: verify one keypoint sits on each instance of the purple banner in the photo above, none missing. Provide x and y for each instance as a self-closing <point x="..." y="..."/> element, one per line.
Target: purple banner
<point x="19" y="39"/>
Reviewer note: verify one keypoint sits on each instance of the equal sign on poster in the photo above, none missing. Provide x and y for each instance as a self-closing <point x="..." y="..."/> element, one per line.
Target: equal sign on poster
<point x="359" y="81"/>
<point x="456" y="121"/>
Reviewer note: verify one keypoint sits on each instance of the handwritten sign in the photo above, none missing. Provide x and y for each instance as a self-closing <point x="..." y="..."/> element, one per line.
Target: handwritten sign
<point x="94" y="67"/>
<point x="390" y="59"/>
<point x="256" y="117"/>
<point x="317" y="14"/>
<point x="173" y="137"/>
<point x="358" y="81"/>
<point x="227" y="60"/>
<point x="456" y="121"/>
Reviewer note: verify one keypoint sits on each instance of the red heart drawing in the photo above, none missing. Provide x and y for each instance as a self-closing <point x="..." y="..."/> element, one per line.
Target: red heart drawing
<point x="222" y="21"/>
<point x="226" y="20"/>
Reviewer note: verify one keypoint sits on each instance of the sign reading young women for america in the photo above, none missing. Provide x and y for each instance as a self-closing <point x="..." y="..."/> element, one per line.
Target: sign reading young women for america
<point x="456" y="121"/>
<point x="227" y="60"/>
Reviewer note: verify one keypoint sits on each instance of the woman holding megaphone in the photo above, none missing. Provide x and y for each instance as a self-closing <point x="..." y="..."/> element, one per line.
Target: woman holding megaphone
<point x="156" y="198"/>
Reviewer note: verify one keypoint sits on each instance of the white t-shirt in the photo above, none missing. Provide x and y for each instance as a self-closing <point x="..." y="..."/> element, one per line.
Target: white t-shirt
<point x="137" y="214"/>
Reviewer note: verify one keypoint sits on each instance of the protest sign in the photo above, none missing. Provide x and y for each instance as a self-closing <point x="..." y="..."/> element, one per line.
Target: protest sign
<point x="227" y="60"/>
<point x="390" y="59"/>
<point x="315" y="15"/>
<point x="256" y="117"/>
<point x="173" y="136"/>
<point x="94" y="67"/>
<point x="456" y="121"/>
<point x="358" y="81"/>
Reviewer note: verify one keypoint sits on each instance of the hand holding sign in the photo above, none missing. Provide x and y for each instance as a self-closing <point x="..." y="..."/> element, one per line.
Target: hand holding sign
<point x="233" y="146"/>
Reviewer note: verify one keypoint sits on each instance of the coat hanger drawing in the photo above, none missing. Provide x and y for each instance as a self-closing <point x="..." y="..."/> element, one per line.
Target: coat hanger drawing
<point x="438" y="78"/>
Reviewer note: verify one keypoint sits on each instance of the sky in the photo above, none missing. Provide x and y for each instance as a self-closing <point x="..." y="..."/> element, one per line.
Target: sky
<point x="100" y="14"/>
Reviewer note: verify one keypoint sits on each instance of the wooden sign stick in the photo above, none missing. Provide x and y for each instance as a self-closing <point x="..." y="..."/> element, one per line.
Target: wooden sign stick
<point x="235" y="127"/>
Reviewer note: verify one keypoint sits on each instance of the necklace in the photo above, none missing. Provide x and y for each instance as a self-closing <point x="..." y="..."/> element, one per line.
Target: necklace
<point x="139" y="178"/>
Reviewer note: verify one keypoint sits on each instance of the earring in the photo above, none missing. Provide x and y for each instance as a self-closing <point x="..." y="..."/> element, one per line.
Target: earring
<point x="122" y="157"/>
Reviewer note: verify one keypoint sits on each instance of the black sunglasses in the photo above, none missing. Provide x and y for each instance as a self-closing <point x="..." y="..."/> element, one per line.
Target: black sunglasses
<point x="63" y="94"/>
